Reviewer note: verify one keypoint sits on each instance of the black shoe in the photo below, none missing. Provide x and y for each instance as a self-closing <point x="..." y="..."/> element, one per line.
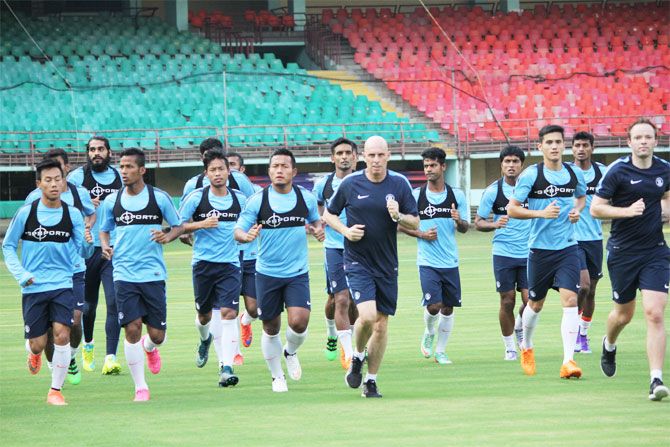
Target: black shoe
<point x="354" y="376"/>
<point x="608" y="361"/>
<point x="203" y="352"/>
<point x="657" y="390"/>
<point x="370" y="389"/>
<point x="227" y="377"/>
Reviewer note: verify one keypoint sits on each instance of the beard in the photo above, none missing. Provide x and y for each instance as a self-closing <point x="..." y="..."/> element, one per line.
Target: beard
<point x="99" y="167"/>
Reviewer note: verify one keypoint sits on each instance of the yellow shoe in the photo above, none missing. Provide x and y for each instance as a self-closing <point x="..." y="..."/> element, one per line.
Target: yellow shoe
<point x="528" y="361"/>
<point x="88" y="357"/>
<point x="570" y="369"/>
<point x="55" y="397"/>
<point x="344" y="360"/>
<point x="111" y="366"/>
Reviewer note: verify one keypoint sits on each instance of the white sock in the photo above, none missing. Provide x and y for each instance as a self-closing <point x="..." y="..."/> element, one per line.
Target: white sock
<point x="203" y="329"/>
<point x="236" y="340"/>
<point x="272" y="352"/>
<point x="345" y="342"/>
<point x="584" y="327"/>
<point x="359" y="355"/>
<point x="609" y="347"/>
<point x="228" y="341"/>
<point x="656" y="374"/>
<point x="149" y="345"/>
<point x="246" y="319"/>
<point x="28" y="350"/>
<point x="331" y="328"/>
<point x="529" y="318"/>
<point x="215" y="330"/>
<point x="295" y="340"/>
<point x="430" y="321"/>
<point x="518" y="323"/>
<point x="569" y="328"/>
<point x="444" y="328"/>
<point x="508" y="340"/>
<point x="135" y="360"/>
<point x="369" y="376"/>
<point x="61" y="361"/>
<point x="74" y="352"/>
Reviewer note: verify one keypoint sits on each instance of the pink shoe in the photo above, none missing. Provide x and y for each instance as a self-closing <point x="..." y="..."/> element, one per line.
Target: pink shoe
<point x="153" y="359"/>
<point x="141" y="395"/>
<point x="238" y="360"/>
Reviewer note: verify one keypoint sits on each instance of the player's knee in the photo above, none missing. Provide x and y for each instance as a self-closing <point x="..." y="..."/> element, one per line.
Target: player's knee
<point x="228" y="314"/>
<point x="381" y="326"/>
<point x="37" y="345"/>
<point x="507" y="301"/>
<point x="62" y="336"/>
<point x="433" y="309"/>
<point x="133" y="331"/>
<point x="342" y="300"/>
<point x="654" y="316"/>
<point x="298" y="326"/>
<point x="158" y="337"/>
<point x="271" y="327"/>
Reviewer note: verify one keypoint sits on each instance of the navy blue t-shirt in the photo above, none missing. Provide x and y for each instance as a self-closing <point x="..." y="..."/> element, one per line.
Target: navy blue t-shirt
<point x="623" y="185"/>
<point x="365" y="203"/>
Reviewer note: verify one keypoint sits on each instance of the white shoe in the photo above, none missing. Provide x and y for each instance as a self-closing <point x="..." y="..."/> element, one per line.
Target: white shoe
<point x="511" y="356"/>
<point x="279" y="384"/>
<point x="293" y="365"/>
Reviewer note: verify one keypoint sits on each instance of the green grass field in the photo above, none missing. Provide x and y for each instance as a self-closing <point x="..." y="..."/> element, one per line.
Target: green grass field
<point x="479" y="400"/>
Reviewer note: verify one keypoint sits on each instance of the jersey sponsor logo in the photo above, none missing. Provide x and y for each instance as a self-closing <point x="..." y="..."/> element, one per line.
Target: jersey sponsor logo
<point x="40" y="233"/>
<point x="128" y="217"/>
<point x="553" y="190"/>
<point x="275" y="220"/>
<point x="659" y="183"/>
<point x="635" y="182"/>
<point x="360" y="197"/>
<point x="217" y="214"/>
<point x="431" y="210"/>
<point x="99" y="191"/>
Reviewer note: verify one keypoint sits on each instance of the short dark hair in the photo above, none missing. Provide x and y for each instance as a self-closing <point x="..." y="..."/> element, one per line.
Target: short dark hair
<point x="286" y="152"/>
<point x="434" y="153"/>
<point x="551" y="128"/>
<point x="210" y="143"/>
<point x="99" y="138"/>
<point x="214" y="154"/>
<point x="643" y="121"/>
<point x="512" y="151"/>
<point x="583" y="136"/>
<point x="55" y="153"/>
<point x="47" y="163"/>
<point x="235" y="154"/>
<point x="342" y="140"/>
<point x="135" y="152"/>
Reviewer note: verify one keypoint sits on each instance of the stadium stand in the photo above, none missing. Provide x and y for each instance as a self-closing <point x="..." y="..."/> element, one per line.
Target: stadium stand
<point x="559" y="64"/>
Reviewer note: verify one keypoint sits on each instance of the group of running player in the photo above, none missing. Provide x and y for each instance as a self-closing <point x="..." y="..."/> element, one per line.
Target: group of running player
<point x="105" y="225"/>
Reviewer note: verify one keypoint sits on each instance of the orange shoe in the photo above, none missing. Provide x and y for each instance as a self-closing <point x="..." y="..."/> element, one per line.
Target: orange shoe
<point x="344" y="360"/>
<point x="34" y="363"/>
<point x="238" y="360"/>
<point x="55" y="397"/>
<point x="570" y="369"/>
<point x="246" y="334"/>
<point x="528" y="361"/>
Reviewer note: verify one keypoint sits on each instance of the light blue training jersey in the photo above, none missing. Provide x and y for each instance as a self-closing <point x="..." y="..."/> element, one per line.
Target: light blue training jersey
<point x="283" y="251"/>
<point x="136" y="257"/>
<point x="50" y="264"/>
<point x="512" y="240"/>
<point x="334" y="239"/>
<point x="588" y="228"/>
<point x="550" y="234"/>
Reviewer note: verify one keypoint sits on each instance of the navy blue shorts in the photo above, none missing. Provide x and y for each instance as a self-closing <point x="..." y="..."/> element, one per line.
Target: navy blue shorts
<point x="365" y="287"/>
<point x="249" y="278"/>
<point x="510" y="273"/>
<point x="591" y="258"/>
<point x="629" y="272"/>
<point x="99" y="270"/>
<point x="216" y="285"/>
<point x="40" y="309"/>
<point x="145" y="300"/>
<point x="440" y="285"/>
<point x="557" y="269"/>
<point x="79" y="290"/>
<point x="336" y="280"/>
<point x="274" y="294"/>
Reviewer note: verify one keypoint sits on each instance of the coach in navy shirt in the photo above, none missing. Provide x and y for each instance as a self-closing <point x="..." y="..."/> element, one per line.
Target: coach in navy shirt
<point x="635" y="194"/>
<point x="376" y="201"/>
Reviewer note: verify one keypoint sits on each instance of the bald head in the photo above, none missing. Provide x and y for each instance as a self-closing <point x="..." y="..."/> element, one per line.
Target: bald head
<point x="376" y="142"/>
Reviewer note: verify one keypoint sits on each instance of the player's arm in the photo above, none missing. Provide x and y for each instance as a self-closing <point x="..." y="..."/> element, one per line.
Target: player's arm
<point x="404" y="212"/>
<point x="665" y="207"/>
<point x="315" y="226"/>
<point x="601" y="208"/>
<point x="575" y="212"/>
<point x="462" y="225"/>
<point x="186" y="211"/>
<point x="517" y="211"/>
<point x="485" y="225"/>
<point x="246" y="229"/>
<point x="353" y="233"/>
<point x="82" y="236"/>
<point x="106" y="226"/>
<point x="89" y="208"/>
<point x="485" y="207"/>
<point x="428" y="235"/>
<point x="10" y="246"/>
<point x="171" y="216"/>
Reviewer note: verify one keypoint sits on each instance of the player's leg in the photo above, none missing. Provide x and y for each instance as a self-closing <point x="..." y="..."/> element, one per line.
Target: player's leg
<point x="270" y="305"/>
<point x="521" y="275"/>
<point x="228" y="298"/>
<point x="35" y="308"/>
<point x="204" y="283"/>
<point x="363" y="291"/>
<point x="298" y="309"/>
<point x="112" y="326"/>
<point x="78" y="289"/>
<point x="451" y="297"/>
<point x="331" y="327"/>
<point x="155" y="301"/>
<point x="342" y="302"/>
<point x="505" y="273"/>
<point x="61" y="308"/>
<point x="567" y="279"/>
<point x="582" y="294"/>
<point x="431" y="290"/>
<point x="250" y="305"/>
<point x="91" y="295"/>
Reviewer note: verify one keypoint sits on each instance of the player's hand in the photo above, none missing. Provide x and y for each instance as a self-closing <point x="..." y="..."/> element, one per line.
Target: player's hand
<point x="637" y="208"/>
<point x="186" y="239"/>
<point x="253" y="232"/>
<point x="107" y="253"/>
<point x="454" y="213"/>
<point x="96" y="202"/>
<point x="502" y="222"/>
<point x="393" y="209"/>
<point x="430" y="235"/>
<point x="159" y="236"/>
<point x="573" y="216"/>
<point x="318" y="233"/>
<point x="87" y="234"/>
<point x="355" y="232"/>
<point x="210" y="222"/>
<point x="551" y="211"/>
